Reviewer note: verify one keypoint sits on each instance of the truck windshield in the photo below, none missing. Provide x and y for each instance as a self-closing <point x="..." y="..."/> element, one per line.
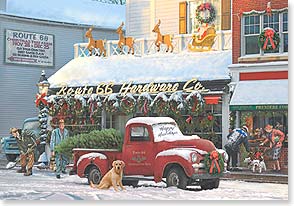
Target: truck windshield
<point x="166" y="132"/>
<point x="33" y="126"/>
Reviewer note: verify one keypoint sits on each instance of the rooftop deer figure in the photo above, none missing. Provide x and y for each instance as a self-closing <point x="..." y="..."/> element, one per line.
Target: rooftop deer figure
<point x="95" y="44"/>
<point x="127" y="41"/>
<point x="162" y="39"/>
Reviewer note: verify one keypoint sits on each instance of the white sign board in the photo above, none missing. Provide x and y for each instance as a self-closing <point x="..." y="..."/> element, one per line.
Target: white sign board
<point x="29" y="48"/>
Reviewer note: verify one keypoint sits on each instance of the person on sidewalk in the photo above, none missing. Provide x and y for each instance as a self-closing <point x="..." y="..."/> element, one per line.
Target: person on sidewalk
<point x="26" y="142"/>
<point x="232" y="147"/>
<point x="58" y="135"/>
<point x="275" y="137"/>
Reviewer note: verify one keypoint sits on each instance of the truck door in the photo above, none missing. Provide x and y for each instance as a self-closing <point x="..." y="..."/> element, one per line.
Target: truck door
<point x="138" y="153"/>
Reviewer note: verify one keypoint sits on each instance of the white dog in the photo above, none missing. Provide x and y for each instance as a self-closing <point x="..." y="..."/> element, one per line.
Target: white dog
<point x="255" y="165"/>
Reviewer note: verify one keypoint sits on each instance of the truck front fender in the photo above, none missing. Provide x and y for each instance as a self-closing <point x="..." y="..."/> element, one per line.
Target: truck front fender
<point x="165" y="162"/>
<point x="93" y="159"/>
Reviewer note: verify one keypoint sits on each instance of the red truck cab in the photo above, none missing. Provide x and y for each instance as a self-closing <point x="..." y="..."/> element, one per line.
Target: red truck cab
<point x="154" y="148"/>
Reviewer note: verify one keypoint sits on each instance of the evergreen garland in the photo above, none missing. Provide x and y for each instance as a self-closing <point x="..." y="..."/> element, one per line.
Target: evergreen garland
<point x="103" y="139"/>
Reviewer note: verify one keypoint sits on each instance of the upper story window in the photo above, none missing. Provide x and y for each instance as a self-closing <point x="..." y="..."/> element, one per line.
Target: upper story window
<point x="253" y="25"/>
<point x="193" y="23"/>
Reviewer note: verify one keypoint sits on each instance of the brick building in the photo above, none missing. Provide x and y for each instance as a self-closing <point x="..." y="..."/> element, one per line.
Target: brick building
<point x="259" y="71"/>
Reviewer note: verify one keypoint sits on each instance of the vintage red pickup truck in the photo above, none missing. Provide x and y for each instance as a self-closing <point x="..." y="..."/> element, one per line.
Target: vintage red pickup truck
<point x="154" y="148"/>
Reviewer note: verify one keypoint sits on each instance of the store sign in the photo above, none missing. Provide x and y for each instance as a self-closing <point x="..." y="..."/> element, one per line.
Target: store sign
<point x="258" y="107"/>
<point x="129" y="87"/>
<point x="29" y="48"/>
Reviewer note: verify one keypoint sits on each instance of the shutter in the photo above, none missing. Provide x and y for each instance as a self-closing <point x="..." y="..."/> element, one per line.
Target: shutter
<point x="226" y="15"/>
<point x="183" y="18"/>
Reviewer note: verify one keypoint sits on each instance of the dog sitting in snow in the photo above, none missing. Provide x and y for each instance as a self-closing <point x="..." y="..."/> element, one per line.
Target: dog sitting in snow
<point x="112" y="178"/>
<point x="255" y="162"/>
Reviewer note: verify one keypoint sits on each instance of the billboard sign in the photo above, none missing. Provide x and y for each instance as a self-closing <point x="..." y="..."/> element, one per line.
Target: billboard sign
<point x="29" y="48"/>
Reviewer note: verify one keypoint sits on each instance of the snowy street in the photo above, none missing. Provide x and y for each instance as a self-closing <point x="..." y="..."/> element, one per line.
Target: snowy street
<point x="43" y="185"/>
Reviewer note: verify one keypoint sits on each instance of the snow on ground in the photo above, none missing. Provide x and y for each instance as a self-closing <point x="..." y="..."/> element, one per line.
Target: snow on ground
<point x="157" y="67"/>
<point x="70" y="11"/>
<point x="44" y="186"/>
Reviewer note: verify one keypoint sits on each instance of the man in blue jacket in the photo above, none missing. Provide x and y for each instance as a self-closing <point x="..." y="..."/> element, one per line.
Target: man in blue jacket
<point x="235" y="139"/>
<point x="58" y="135"/>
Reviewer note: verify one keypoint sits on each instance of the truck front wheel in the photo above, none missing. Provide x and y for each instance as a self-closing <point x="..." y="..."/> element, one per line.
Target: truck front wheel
<point x="177" y="177"/>
<point x="11" y="157"/>
<point x="209" y="184"/>
<point x="94" y="176"/>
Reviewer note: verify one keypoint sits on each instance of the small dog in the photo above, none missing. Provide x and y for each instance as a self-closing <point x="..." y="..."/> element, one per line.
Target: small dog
<point x="112" y="178"/>
<point x="256" y="165"/>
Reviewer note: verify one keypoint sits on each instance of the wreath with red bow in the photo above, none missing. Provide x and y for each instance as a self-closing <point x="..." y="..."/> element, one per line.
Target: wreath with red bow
<point x="214" y="163"/>
<point x="203" y="7"/>
<point x="268" y="39"/>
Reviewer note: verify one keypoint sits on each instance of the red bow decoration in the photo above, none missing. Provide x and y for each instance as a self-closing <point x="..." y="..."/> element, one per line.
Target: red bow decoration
<point x="210" y="117"/>
<point x="269" y="34"/>
<point x="214" y="161"/>
<point x="189" y="119"/>
<point x="204" y="6"/>
<point x="145" y="107"/>
<point x="41" y="98"/>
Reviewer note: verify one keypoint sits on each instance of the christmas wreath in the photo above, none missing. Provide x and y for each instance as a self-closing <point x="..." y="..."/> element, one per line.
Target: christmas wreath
<point x="177" y="102"/>
<point x="111" y="103"/>
<point x="160" y="104"/>
<point x="203" y="7"/>
<point x="268" y="39"/>
<point x="128" y="104"/>
<point x="214" y="163"/>
<point x="95" y="107"/>
<point x="195" y="104"/>
<point x="143" y="103"/>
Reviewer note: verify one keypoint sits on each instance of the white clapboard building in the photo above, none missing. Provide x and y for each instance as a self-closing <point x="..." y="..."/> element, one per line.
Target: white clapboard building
<point x="39" y="35"/>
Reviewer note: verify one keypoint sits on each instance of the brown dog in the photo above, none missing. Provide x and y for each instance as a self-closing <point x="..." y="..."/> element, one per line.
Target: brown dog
<point x="112" y="178"/>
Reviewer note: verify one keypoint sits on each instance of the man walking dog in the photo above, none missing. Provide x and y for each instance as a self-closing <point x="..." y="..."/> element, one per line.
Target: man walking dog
<point x="58" y="135"/>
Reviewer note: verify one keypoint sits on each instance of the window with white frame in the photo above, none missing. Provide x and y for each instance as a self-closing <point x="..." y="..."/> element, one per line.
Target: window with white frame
<point x="254" y="24"/>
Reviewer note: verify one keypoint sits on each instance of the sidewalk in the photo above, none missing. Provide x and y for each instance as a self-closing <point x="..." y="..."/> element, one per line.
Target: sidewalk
<point x="247" y="175"/>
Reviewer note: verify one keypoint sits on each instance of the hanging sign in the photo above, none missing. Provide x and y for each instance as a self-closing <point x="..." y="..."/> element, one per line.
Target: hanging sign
<point x="29" y="48"/>
<point x="129" y="87"/>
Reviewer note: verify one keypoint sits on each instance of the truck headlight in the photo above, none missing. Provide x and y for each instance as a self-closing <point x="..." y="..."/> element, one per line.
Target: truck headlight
<point x="193" y="157"/>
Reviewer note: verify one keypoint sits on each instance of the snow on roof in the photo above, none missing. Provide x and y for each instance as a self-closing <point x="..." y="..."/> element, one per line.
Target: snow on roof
<point x="150" y="120"/>
<point x="80" y="11"/>
<point x="157" y="67"/>
<point x="260" y="92"/>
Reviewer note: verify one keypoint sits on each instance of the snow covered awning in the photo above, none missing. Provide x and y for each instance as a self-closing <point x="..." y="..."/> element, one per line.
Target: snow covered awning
<point x="260" y="95"/>
<point x="150" y="68"/>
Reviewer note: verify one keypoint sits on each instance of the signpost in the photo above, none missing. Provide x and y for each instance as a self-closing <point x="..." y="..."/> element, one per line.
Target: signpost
<point x="29" y="48"/>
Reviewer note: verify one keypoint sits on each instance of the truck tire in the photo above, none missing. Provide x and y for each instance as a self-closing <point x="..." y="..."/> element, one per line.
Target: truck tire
<point x="94" y="176"/>
<point x="11" y="157"/>
<point x="133" y="183"/>
<point x="209" y="184"/>
<point x="176" y="177"/>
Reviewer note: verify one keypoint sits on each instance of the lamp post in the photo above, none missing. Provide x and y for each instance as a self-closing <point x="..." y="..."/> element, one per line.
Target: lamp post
<point x="41" y="103"/>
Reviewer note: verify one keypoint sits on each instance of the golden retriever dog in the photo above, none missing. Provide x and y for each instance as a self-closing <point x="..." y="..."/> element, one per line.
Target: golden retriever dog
<point x="112" y="178"/>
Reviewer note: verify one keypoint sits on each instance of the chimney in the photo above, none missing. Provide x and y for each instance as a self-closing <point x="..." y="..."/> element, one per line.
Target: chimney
<point x="3" y="4"/>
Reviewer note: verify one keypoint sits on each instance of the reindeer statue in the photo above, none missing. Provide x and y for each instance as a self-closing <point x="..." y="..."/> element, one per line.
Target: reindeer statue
<point x="162" y="39"/>
<point x="128" y="41"/>
<point x="95" y="44"/>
